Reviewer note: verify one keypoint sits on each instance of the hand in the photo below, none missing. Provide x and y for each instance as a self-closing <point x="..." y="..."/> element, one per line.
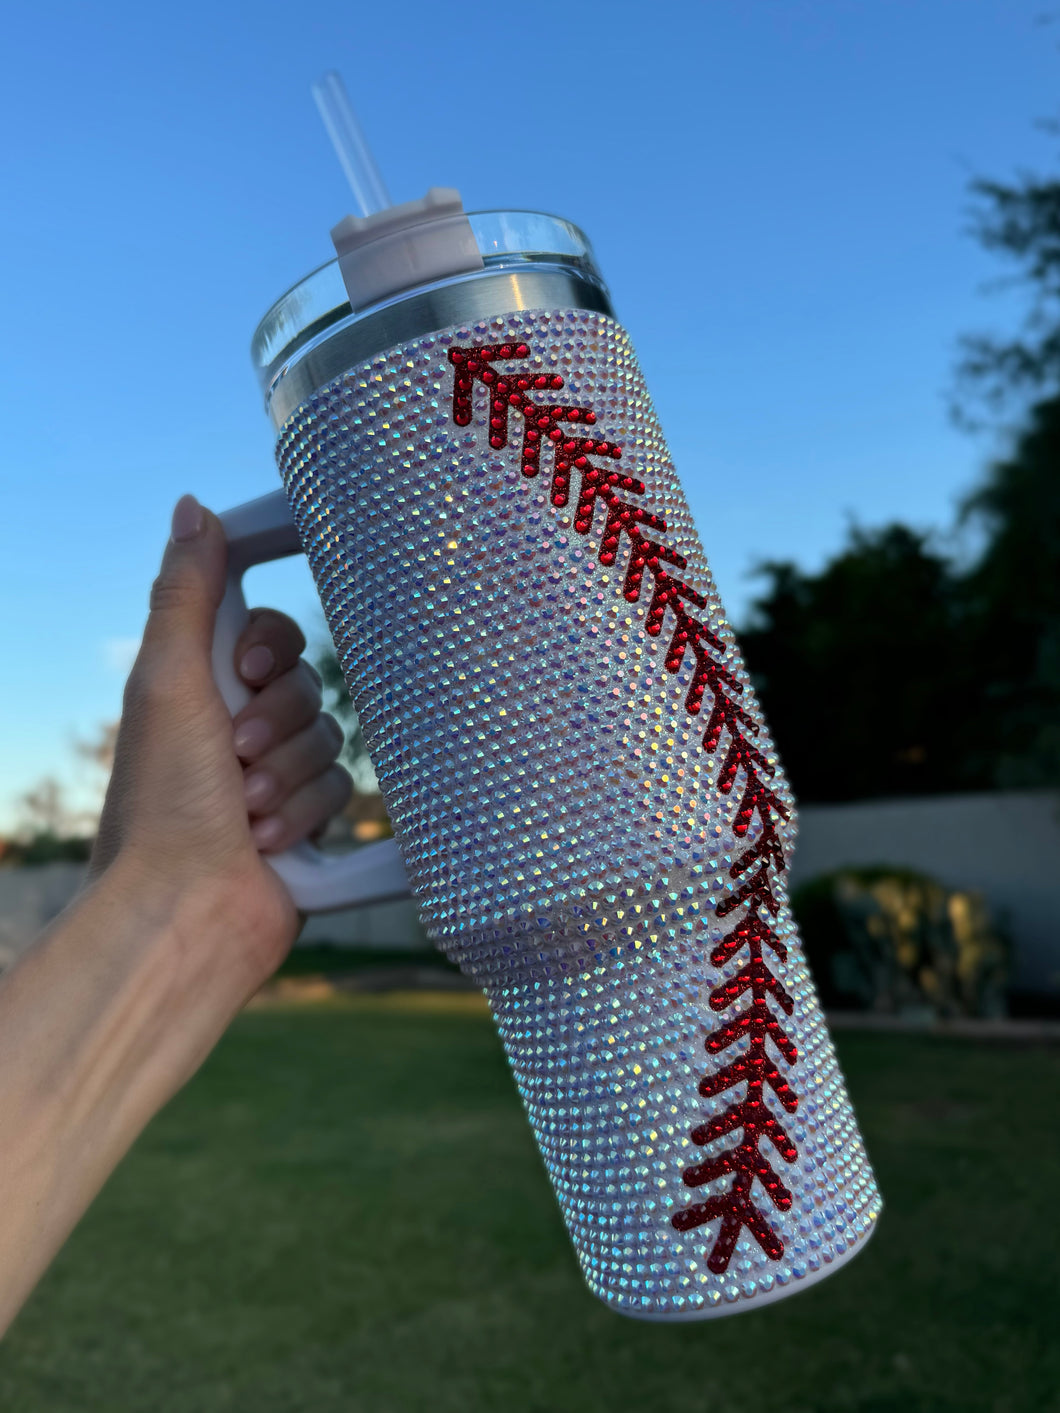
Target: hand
<point x="194" y="795"/>
<point x="116" y="1005"/>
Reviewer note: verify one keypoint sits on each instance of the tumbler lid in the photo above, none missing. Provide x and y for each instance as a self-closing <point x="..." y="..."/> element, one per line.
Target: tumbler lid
<point x="521" y="245"/>
<point x="404" y="246"/>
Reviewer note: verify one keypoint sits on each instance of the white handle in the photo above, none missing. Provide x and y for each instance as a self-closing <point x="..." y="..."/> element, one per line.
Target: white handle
<point x="260" y="531"/>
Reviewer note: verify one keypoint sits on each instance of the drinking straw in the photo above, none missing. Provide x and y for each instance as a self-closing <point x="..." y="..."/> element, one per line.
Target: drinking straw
<point x="351" y="148"/>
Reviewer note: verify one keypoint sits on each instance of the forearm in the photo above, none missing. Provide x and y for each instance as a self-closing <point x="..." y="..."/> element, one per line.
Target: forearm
<point x="121" y="1000"/>
<point x="100" y="1023"/>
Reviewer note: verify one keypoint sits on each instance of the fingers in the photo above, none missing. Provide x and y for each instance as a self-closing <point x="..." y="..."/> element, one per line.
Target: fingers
<point x="277" y="712"/>
<point x="304" y="811"/>
<point x="268" y="646"/>
<point x="291" y="784"/>
<point x="297" y="762"/>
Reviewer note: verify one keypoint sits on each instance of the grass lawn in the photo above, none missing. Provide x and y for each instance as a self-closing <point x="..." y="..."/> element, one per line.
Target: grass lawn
<point x="345" y="1211"/>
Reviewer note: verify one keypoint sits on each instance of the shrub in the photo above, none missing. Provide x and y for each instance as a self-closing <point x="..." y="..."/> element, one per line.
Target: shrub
<point x="892" y="940"/>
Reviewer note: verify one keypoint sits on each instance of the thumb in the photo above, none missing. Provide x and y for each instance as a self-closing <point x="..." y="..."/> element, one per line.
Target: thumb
<point x="191" y="582"/>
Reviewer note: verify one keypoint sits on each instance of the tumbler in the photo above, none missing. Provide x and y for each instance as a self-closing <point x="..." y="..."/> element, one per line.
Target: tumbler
<point x="585" y="797"/>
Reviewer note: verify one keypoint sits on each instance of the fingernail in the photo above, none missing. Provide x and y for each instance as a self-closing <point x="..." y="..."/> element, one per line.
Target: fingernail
<point x="252" y="737"/>
<point x="257" y="787"/>
<point x="267" y="832"/>
<point x="188" y="519"/>
<point x="257" y="663"/>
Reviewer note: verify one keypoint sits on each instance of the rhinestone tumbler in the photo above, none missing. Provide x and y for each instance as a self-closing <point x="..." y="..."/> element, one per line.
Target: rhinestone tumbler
<point x="589" y="807"/>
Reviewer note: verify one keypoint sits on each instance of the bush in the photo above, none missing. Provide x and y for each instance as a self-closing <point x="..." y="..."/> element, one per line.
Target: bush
<point x="895" y="941"/>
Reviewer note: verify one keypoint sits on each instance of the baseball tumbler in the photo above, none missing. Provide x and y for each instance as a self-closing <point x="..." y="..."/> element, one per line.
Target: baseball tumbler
<point x="585" y="798"/>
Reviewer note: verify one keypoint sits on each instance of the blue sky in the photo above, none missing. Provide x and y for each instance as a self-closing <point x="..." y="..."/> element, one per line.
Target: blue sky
<point x="777" y="191"/>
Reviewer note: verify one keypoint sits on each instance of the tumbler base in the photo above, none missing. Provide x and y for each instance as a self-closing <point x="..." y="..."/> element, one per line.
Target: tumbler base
<point x="741" y="1304"/>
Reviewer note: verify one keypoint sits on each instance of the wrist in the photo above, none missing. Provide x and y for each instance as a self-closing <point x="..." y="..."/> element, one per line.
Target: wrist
<point x="119" y="1003"/>
<point x="106" y="1001"/>
<point x="214" y="935"/>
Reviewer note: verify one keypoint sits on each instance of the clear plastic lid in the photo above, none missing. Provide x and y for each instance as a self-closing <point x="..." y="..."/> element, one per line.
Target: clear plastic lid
<point x="507" y="240"/>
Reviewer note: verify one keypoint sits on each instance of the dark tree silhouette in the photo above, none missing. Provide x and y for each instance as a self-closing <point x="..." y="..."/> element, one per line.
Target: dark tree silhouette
<point x="1013" y="605"/>
<point x="864" y="669"/>
<point x="1020" y="222"/>
<point x="938" y="678"/>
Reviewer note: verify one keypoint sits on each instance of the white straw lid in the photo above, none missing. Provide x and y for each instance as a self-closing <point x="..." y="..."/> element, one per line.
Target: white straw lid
<point x="386" y="248"/>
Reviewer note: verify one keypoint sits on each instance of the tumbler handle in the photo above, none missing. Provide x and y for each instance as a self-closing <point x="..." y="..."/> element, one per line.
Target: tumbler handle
<point x="260" y="531"/>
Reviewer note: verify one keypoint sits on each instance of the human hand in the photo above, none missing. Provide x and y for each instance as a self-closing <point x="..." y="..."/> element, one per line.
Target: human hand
<point x="195" y="796"/>
<point x="117" y="1004"/>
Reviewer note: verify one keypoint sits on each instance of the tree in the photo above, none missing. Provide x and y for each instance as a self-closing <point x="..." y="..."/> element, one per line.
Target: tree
<point x="893" y="671"/>
<point x="1013" y="607"/>
<point x="1014" y="589"/>
<point x="1020" y="223"/>
<point x="863" y="669"/>
<point x="48" y="830"/>
<point x="43" y="808"/>
<point x="99" y="751"/>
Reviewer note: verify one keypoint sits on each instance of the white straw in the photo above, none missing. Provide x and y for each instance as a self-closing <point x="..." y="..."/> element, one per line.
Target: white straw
<point x="355" y="157"/>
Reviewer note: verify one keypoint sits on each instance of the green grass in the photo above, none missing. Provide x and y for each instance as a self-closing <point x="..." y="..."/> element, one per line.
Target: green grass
<point x="344" y="1211"/>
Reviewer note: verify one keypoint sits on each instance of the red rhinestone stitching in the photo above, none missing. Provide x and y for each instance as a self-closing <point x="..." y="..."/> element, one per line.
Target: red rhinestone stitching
<point x="757" y="1023"/>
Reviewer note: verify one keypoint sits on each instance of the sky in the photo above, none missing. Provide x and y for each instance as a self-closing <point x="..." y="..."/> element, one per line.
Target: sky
<point x="777" y="191"/>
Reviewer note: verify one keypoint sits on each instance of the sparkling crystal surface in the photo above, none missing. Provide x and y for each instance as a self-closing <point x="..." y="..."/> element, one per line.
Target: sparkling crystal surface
<point x="560" y="821"/>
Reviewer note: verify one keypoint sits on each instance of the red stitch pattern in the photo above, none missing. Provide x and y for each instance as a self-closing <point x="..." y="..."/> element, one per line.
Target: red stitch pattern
<point x="752" y="1028"/>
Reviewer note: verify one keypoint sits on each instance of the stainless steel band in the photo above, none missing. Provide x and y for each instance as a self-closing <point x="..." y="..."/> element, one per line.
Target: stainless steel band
<point x="355" y="338"/>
